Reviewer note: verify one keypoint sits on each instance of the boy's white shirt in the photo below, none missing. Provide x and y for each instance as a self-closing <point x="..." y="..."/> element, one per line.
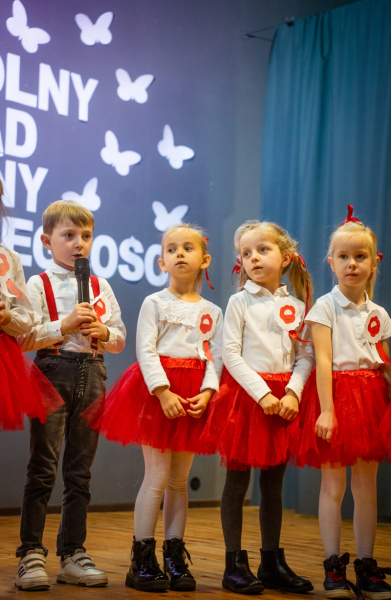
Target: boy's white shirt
<point x="167" y="327"/>
<point x="22" y="313"/>
<point x="254" y="343"/>
<point x="46" y="333"/>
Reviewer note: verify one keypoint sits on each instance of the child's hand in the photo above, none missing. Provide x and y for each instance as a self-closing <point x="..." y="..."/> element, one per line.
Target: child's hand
<point x="326" y="425"/>
<point x="82" y="313"/>
<point x="199" y="403"/>
<point x="171" y="403"/>
<point x="290" y="406"/>
<point x="95" y="330"/>
<point x="270" y="404"/>
<point x="5" y="315"/>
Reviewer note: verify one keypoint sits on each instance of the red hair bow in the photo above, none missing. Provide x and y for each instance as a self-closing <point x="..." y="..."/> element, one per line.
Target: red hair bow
<point x="236" y="269"/>
<point x="350" y="217"/>
<point x="380" y="255"/>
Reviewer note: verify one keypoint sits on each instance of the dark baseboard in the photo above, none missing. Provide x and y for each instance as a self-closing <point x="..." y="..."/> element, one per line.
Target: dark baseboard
<point x="14" y="511"/>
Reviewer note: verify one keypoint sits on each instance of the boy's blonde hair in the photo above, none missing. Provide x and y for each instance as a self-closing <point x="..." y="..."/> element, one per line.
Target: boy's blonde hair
<point x="356" y="228"/>
<point x="203" y="241"/>
<point x="63" y="210"/>
<point x="297" y="275"/>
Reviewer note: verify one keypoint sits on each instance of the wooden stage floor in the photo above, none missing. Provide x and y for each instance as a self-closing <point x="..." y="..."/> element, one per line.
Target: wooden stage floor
<point x="109" y="540"/>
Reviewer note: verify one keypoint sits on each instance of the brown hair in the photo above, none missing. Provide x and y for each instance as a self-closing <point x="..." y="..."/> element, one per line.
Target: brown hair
<point x="202" y="239"/>
<point x="297" y="275"/>
<point x="63" y="210"/>
<point x="349" y="229"/>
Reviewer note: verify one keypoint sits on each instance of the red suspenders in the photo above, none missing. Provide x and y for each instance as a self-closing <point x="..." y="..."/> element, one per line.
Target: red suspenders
<point x="51" y="302"/>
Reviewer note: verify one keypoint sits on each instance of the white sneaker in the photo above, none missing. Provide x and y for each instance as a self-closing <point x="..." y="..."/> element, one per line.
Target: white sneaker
<point x="31" y="571"/>
<point x="80" y="570"/>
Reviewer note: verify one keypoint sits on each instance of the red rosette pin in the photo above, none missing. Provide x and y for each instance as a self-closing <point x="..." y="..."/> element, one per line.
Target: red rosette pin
<point x="372" y="332"/>
<point x="205" y="327"/>
<point x="288" y="316"/>
<point x="8" y="287"/>
<point x="102" y="308"/>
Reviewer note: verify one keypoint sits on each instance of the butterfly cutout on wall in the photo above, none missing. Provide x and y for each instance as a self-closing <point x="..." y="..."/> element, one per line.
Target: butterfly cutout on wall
<point x="95" y="33"/>
<point x="165" y="219"/>
<point x="133" y="90"/>
<point x="89" y="198"/>
<point x="121" y="161"/>
<point x="174" y="154"/>
<point x="30" y="37"/>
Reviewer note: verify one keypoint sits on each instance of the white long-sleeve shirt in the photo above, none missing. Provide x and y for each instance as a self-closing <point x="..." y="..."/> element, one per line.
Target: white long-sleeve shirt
<point x="21" y="310"/>
<point x="46" y="333"/>
<point x="351" y="350"/>
<point x="167" y="327"/>
<point x="253" y="342"/>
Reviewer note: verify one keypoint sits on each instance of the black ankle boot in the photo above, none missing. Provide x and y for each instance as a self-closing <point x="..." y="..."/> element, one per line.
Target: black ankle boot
<point x="335" y="584"/>
<point x="275" y="573"/>
<point x="174" y="553"/>
<point x="144" y="572"/>
<point x="237" y="575"/>
<point x="370" y="579"/>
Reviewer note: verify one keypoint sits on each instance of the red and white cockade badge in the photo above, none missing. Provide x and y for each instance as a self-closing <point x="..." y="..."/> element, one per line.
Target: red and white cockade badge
<point x="372" y="332"/>
<point x="102" y="308"/>
<point x="205" y="327"/>
<point x="8" y="287"/>
<point x="288" y="316"/>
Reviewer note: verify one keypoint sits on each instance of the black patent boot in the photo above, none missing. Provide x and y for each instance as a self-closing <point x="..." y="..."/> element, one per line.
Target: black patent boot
<point x="276" y="575"/>
<point x="237" y="575"/>
<point x="335" y="584"/>
<point x="144" y="572"/>
<point x="370" y="579"/>
<point x="175" y="554"/>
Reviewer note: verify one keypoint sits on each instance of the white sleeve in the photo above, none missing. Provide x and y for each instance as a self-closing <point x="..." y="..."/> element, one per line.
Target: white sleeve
<point x="117" y="331"/>
<point x="42" y="334"/>
<point x="213" y="369"/>
<point x="21" y="310"/>
<point x="304" y="363"/>
<point x="146" y="346"/>
<point x="387" y="326"/>
<point x="320" y="313"/>
<point x="249" y="379"/>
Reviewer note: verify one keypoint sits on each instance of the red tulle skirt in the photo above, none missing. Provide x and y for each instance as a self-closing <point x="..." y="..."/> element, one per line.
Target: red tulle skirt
<point x="129" y="414"/>
<point x="385" y="433"/>
<point x="243" y="434"/>
<point x="24" y="390"/>
<point x="360" y="403"/>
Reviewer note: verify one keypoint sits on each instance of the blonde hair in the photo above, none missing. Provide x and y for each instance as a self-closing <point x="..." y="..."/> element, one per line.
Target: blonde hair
<point x="202" y="239"/>
<point x="297" y="275"/>
<point x="66" y="209"/>
<point x="349" y="229"/>
<point x="3" y="210"/>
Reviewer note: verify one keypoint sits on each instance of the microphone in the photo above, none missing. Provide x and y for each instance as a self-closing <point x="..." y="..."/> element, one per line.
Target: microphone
<point x="82" y="274"/>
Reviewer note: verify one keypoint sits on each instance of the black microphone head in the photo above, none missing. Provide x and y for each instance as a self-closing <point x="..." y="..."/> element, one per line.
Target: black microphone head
<point x="82" y="267"/>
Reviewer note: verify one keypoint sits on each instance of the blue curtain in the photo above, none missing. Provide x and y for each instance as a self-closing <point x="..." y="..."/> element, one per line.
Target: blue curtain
<point x="327" y="135"/>
<point x="327" y="143"/>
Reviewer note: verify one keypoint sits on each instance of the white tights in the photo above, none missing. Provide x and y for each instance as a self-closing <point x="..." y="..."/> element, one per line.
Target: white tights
<point x="165" y="473"/>
<point x="364" y="493"/>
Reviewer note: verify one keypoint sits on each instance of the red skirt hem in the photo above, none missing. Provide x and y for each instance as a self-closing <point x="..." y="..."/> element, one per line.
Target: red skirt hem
<point x="244" y="436"/>
<point x="129" y="414"/>
<point x="360" y="403"/>
<point x="24" y="390"/>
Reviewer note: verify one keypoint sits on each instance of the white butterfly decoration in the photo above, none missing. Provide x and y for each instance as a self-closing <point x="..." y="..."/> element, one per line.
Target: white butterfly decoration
<point x="121" y="161"/>
<point x="133" y="90"/>
<point x="89" y="198"/>
<point x="94" y="33"/>
<point x="174" y="154"/>
<point x="165" y="219"/>
<point x="30" y="37"/>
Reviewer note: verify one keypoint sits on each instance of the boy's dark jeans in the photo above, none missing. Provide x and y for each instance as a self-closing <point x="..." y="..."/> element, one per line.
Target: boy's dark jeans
<point x="79" y="378"/>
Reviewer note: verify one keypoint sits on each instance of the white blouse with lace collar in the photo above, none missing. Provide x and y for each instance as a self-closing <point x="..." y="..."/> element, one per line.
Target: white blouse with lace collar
<point x="167" y="327"/>
<point x="253" y="342"/>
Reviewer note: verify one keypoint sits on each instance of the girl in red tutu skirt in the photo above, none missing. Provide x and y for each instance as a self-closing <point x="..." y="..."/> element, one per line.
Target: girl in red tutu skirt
<point x="160" y="402"/>
<point x="24" y="390"/>
<point x="344" y="403"/>
<point x="252" y="419"/>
